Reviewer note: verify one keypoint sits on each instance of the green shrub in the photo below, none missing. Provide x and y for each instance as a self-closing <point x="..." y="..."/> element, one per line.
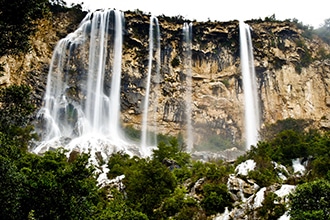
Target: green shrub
<point x="216" y="198"/>
<point x="178" y="205"/>
<point x="311" y="201"/>
<point x="271" y="208"/>
<point x="16" y="109"/>
<point x="171" y="151"/>
<point x="147" y="184"/>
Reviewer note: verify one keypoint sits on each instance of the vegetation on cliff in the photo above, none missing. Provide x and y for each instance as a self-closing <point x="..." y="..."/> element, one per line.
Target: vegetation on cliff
<point x="18" y="22"/>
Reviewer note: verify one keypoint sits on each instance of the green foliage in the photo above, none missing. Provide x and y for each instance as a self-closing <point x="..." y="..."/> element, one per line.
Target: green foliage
<point x="16" y="106"/>
<point x="117" y="209"/>
<point x="119" y="163"/>
<point x="11" y="185"/>
<point x="51" y="180"/>
<point x="323" y="54"/>
<point x="178" y="206"/>
<point x="18" y="21"/>
<point x="311" y="201"/>
<point x="271" y="130"/>
<point x="47" y="187"/>
<point x="216" y="198"/>
<point x="156" y="190"/>
<point x="263" y="176"/>
<point x="271" y="208"/>
<point x="286" y="145"/>
<point x="53" y="187"/>
<point x="147" y="184"/>
<point x="171" y="151"/>
<point x="213" y="172"/>
<point x="16" y="109"/>
<point x="271" y="18"/>
<point x="305" y="56"/>
<point x="308" y="31"/>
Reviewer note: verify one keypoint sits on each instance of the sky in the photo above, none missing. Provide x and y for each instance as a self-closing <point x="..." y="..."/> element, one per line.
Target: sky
<point x="310" y="12"/>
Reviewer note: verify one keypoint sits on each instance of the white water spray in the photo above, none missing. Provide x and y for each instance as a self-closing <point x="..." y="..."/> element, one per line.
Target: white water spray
<point x="187" y="46"/>
<point x="82" y="108"/>
<point x="144" y="132"/>
<point x="251" y="100"/>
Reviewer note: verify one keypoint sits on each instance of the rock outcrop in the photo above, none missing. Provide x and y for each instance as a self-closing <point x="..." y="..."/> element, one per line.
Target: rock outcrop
<point x="292" y="71"/>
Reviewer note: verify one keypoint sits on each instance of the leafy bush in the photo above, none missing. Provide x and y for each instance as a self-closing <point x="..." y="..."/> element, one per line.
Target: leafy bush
<point x="147" y="184"/>
<point x="171" y="151"/>
<point x="216" y="198"/>
<point x="271" y="208"/>
<point x="283" y="147"/>
<point x="178" y="205"/>
<point x="311" y="201"/>
<point x="16" y="109"/>
<point x="117" y="209"/>
<point x="47" y="187"/>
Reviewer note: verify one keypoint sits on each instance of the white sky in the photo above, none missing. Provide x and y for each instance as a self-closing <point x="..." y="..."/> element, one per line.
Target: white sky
<point x="310" y="12"/>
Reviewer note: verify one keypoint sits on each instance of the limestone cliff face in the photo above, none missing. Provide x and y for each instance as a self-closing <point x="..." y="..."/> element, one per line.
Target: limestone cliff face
<point x="32" y="68"/>
<point x="292" y="72"/>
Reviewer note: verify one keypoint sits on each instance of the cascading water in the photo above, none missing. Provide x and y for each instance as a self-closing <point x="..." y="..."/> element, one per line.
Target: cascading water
<point x="187" y="45"/>
<point x="251" y="100"/>
<point x="82" y="100"/>
<point x="144" y="138"/>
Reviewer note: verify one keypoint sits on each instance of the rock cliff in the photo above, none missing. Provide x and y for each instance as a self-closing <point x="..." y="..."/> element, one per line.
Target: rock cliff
<point x="293" y="74"/>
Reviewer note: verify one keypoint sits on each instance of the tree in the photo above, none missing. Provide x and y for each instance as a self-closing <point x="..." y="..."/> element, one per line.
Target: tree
<point x="11" y="190"/>
<point x="311" y="201"/>
<point x="54" y="188"/>
<point x="216" y="198"/>
<point x="178" y="206"/>
<point x="117" y="209"/>
<point x="147" y="184"/>
<point x="16" y="109"/>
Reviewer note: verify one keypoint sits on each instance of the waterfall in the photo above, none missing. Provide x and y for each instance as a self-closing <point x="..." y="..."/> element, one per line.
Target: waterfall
<point x="187" y="45"/>
<point x="251" y="100"/>
<point x="82" y="99"/>
<point x="114" y="110"/>
<point x="144" y="132"/>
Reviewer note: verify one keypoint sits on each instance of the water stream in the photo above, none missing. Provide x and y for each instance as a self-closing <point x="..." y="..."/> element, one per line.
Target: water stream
<point x="82" y="100"/>
<point x="145" y="140"/>
<point x="251" y="100"/>
<point x="187" y="46"/>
